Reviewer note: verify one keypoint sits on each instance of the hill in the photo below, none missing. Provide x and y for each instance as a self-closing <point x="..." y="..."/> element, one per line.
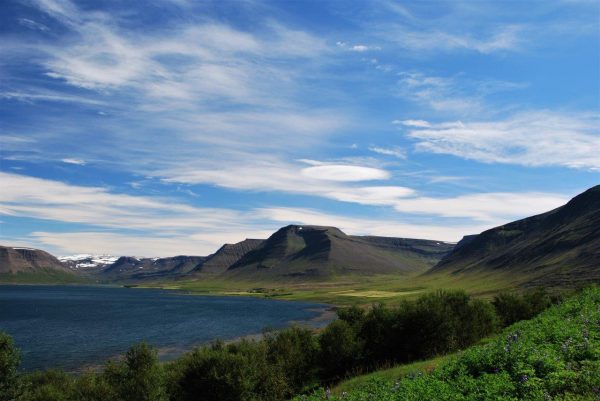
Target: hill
<point x="226" y="256"/>
<point x="128" y="268"/>
<point x="553" y="356"/>
<point x="313" y="252"/>
<point x="557" y="248"/>
<point x="28" y="260"/>
<point x="28" y="265"/>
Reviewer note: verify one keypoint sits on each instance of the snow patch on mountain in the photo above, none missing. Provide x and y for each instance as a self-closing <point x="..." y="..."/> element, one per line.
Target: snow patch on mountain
<point x="87" y="261"/>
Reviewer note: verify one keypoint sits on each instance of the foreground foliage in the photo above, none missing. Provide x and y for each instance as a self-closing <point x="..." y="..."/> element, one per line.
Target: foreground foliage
<point x="295" y="360"/>
<point x="555" y="356"/>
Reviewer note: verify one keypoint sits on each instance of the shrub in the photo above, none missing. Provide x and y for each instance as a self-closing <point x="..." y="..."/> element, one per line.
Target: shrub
<point x="295" y="352"/>
<point x="512" y="307"/>
<point x="340" y="350"/>
<point x="555" y="356"/>
<point x="9" y="362"/>
<point x="139" y="377"/>
<point x="236" y="372"/>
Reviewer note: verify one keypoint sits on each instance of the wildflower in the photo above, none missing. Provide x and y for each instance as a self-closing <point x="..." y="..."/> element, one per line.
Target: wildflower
<point x="524" y="378"/>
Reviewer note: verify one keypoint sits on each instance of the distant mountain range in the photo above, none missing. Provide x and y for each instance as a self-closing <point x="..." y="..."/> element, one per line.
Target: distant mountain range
<point x="293" y="252"/>
<point x="557" y="248"/>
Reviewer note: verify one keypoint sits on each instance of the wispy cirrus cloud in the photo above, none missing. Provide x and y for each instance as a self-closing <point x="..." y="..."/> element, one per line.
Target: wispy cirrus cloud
<point x="31" y="24"/>
<point x="536" y="138"/>
<point x="395" y="152"/>
<point x="507" y="38"/>
<point x="360" y="48"/>
<point x="454" y="94"/>
<point x="73" y="160"/>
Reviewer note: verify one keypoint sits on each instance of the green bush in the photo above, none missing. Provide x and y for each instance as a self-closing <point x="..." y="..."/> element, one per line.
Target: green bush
<point x="9" y="362"/>
<point x="555" y="356"/>
<point x="294" y="351"/>
<point x="340" y="350"/>
<point x="512" y="307"/>
<point x="139" y="377"/>
<point x="234" y="372"/>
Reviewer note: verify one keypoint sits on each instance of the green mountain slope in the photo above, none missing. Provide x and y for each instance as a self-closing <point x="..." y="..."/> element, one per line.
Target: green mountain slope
<point x="560" y="247"/>
<point x="226" y="256"/>
<point x="312" y="252"/>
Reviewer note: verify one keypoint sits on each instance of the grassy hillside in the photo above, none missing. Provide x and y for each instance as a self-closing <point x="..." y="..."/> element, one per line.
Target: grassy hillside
<point x="557" y="248"/>
<point x="392" y="374"/>
<point x="43" y="276"/>
<point x="555" y="356"/>
<point x="348" y="289"/>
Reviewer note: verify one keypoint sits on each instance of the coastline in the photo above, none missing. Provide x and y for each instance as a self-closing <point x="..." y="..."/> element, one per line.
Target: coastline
<point x="325" y="315"/>
<point x="320" y="314"/>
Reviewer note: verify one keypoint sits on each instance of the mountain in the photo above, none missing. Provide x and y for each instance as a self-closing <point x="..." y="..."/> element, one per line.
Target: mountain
<point x="29" y="265"/>
<point x="87" y="265"/>
<point x="292" y="253"/>
<point x="129" y="268"/>
<point x="560" y="247"/>
<point x="311" y="252"/>
<point x="27" y="260"/>
<point x="226" y="256"/>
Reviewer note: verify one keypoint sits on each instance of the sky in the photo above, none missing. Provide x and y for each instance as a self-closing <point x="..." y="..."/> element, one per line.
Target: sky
<point x="166" y="127"/>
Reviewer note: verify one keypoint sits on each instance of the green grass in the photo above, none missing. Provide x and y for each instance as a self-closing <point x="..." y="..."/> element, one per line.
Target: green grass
<point x="348" y="290"/>
<point x="555" y="356"/>
<point x="391" y="374"/>
<point x="44" y="276"/>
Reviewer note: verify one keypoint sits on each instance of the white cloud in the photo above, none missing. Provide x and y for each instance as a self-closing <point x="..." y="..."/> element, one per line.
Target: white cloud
<point x="79" y="162"/>
<point x="31" y="24"/>
<point x="503" y="39"/>
<point x="155" y="226"/>
<point x="95" y="242"/>
<point x="359" y="48"/>
<point x="339" y="172"/>
<point x="492" y="208"/>
<point x="412" y="123"/>
<point x="382" y="195"/>
<point x="536" y="138"/>
<point x="54" y="200"/>
<point x="451" y="94"/>
<point x="396" y="152"/>
<point x="48" y="96"/>
<point x="365" y="226"/>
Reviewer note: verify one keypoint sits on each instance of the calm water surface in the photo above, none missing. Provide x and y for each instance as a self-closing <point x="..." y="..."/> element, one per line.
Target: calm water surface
<point x="70" y="327"/>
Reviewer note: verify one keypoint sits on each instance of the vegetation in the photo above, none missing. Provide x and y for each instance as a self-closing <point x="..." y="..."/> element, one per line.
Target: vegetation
<point x="285" y="363"/>
<point x="350" y="290"/>
<point x="42" y="276"/>
<point x="555" y="356"/>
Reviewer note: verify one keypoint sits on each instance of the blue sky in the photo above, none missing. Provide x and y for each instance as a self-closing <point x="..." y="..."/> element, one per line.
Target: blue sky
<point x="166" y="127"/>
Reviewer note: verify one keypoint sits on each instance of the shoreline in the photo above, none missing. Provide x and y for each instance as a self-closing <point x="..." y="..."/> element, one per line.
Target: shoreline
<point x="166" y="354"/>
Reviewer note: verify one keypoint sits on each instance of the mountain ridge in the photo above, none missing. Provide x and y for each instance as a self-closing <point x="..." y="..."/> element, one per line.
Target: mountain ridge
<point x="304" y="251"/>
<point x="563" y="241"/>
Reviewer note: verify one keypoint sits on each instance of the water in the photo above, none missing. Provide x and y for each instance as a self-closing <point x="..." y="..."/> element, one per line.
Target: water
<point x="71" y="327"/>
